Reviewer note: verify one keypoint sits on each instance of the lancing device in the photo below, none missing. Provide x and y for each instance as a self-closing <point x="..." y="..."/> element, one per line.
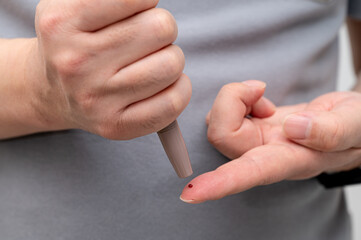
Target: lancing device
<point x="176" y="150"/>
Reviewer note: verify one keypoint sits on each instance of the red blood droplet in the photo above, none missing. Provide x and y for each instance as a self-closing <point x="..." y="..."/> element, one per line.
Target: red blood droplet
<point x="190" y="185"/>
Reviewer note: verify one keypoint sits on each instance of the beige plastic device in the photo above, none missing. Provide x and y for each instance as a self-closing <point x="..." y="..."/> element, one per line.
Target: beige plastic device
<point x="176" y="150"/>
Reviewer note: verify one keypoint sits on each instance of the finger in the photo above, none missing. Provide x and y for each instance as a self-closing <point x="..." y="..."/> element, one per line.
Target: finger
<point x="148" y="76"/>
<point x="155" y="113"/>
<point x="263" y="108"/>
<point x="262" y="166"/>
<point x="130" y="40"/>
<point x="228" y="129"/>
<point x="231" y="105"/>
<point x="92" y="15"/>
<point x="335" y="130"/>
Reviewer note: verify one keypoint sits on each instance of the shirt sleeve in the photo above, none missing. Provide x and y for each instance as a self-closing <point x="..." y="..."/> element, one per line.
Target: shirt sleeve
<point x="354" y="9"/>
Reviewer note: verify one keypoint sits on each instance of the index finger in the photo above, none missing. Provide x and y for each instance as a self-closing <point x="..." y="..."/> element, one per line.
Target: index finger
<point x="232" y="103"/>
<point x="228" y="130"/>
<point x="261" y="166"/>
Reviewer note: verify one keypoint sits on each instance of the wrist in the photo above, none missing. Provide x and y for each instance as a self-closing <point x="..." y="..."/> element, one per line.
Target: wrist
<point x="47" y="107"/>
<point x="24" y="91"/>
<point x="16" y="116"/>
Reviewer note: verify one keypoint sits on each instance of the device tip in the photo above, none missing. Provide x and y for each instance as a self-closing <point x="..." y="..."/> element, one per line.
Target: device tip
<point x="176" y="150"/>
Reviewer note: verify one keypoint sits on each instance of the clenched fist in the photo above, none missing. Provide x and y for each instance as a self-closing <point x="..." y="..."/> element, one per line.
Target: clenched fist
<point x="107" y="67"/>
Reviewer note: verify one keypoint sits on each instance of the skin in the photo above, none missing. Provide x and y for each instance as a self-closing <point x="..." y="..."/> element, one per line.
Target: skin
<point x="89" y="69"/>
<point x="263" y="149"/>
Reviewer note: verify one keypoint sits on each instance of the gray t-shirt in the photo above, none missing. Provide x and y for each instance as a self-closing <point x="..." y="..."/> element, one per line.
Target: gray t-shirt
<point x="74" y="185"/>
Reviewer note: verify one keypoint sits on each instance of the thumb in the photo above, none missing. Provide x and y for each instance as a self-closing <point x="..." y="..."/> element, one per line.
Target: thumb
<point x="327" y="131"/>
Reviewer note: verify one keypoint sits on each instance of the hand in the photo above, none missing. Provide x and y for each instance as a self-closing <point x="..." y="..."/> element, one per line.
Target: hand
<point x="296" y="142"/>
<point x="108" y="67"/>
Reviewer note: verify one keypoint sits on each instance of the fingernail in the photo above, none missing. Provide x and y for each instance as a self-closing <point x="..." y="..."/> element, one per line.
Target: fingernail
<point x="255" y="83"/>
<point x="186" y="201"/>
<point x="297" y="127"/>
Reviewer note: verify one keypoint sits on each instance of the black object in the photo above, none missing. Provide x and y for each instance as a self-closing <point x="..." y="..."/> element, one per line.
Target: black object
<point x="340" y="179"/>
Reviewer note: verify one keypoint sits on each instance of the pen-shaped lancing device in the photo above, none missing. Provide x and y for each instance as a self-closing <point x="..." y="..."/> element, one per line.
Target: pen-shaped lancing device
<point x="176" y="150"/>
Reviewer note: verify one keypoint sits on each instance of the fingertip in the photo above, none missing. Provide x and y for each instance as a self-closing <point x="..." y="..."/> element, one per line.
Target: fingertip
<point x="208" y="186"/>
<point x="253" y="91"/>
<point x="191" y="201"/>
<point x="255" y="83"/>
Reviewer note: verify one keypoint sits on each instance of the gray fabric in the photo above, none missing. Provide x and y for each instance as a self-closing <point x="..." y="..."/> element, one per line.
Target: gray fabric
<point x="74" y="185"/>
<point x="17" y="18"/>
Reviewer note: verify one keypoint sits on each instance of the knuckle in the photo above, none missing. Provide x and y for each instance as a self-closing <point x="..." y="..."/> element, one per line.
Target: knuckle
<point x="152" y="122"/>
<point x="132" y="123"/>
<point x="106" y="131"/>
<point x="165" y="26"/>
<point x="174" y="62"/>
<point x="39" y="10"/>
<point x="187" y="91"/>
<point x="114" y="128"/>
<point x="85" y="102"/>
<point x="133" y="87"/>
<point x="175" y="105"/>
<point x="111" y="40"/>
<point x="179" y="99"/>
<point x="69" y="63"/>
<point x="216" y="136"/>
<point x="134" y="84"/>
<point x="49" y="23"/>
